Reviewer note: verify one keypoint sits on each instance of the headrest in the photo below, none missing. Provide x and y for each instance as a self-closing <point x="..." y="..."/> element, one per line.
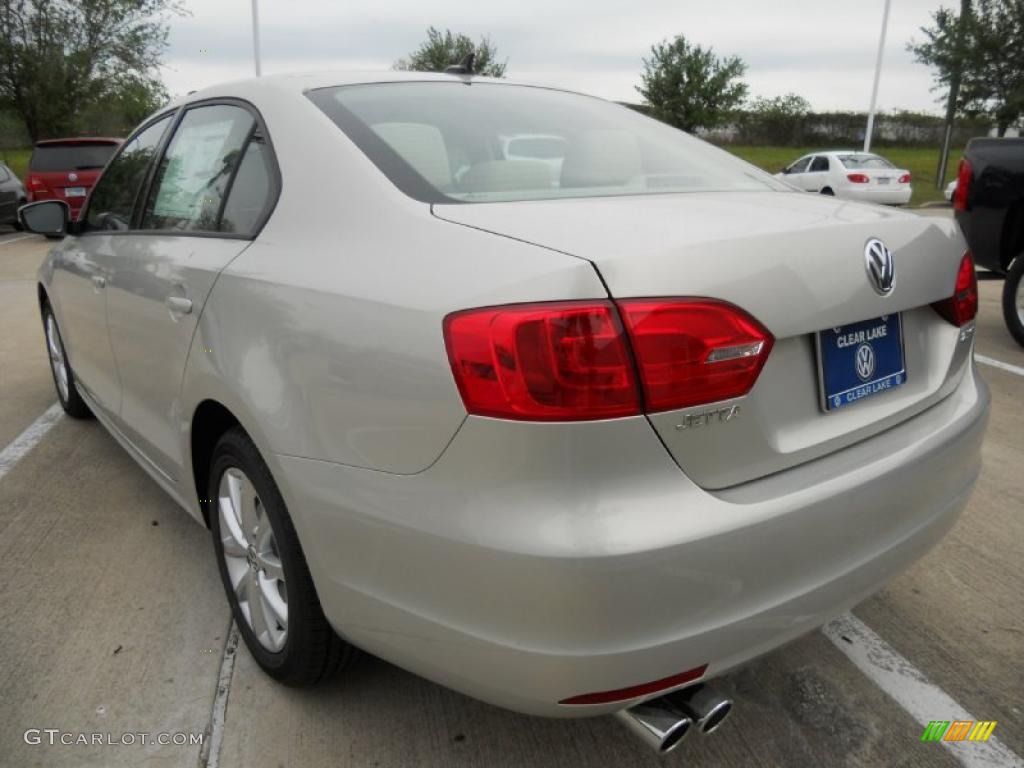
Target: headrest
<point x="601" y="158"/>
<point x="422" y="146"/>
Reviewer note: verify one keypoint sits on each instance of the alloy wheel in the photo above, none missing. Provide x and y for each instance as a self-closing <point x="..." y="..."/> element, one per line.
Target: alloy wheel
<point x="252" y="559"/>
<point x="57" y="361"/>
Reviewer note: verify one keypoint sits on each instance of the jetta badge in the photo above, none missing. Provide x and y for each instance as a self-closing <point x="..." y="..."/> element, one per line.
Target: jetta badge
<point x="881" y="269"/>
<point x="72" y="176"/>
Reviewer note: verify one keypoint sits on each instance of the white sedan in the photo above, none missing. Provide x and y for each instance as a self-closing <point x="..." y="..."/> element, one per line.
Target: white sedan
<point x="851" y="175"/>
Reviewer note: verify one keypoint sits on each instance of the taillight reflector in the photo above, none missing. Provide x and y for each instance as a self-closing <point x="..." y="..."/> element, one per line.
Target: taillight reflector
<point x="964" y="174"/>
<point x="693" y="352"/>
<point x="962" y="306"/>
<point x="573" y="361"/>
<point x="858" y="178"/>
<point x="635" y="691"/>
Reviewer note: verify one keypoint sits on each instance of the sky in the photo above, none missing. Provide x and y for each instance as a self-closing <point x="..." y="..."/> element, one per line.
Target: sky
<point x="823" y="50"/>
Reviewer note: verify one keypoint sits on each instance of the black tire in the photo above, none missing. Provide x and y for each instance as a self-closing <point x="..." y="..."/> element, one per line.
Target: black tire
<point x="1012" y="288"/>
<point x="312" y="652"/>
<point x="828" y="191"/>
<point x="73" y="404"/>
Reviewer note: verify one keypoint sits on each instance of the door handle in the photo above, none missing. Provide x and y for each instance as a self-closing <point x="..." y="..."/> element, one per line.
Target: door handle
<point x="179" y="304"/>
<point x="99" y="281"/>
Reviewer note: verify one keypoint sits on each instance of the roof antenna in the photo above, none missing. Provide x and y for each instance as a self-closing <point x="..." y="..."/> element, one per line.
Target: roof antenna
<point x="464" y="67"/>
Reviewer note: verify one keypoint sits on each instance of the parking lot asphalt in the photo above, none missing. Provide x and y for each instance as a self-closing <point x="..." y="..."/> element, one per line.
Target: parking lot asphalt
<point x="115" y="622"/>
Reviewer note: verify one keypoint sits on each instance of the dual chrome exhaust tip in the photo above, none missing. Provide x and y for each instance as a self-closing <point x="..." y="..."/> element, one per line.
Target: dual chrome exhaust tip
<point x="664" y="722"/>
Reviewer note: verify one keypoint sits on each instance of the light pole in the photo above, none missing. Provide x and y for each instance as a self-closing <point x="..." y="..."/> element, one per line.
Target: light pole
<point x="256" y="35"/>
<point x="878" y="76"/>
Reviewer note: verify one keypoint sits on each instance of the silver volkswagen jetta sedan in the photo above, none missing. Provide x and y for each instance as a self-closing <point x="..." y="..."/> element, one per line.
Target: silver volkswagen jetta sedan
<point x="566" y="433"/>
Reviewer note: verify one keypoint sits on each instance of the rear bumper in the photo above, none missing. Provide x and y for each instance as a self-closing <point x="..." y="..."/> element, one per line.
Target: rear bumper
<point x="536" y="562"/>
<point x="897" y="195"/>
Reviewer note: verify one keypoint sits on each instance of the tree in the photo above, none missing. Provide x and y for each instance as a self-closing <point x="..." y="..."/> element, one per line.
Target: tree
<point x="776" y="120"/>
<point x="60" y="59"/>
<point x="441" y="50"/>
<point x="980" y="51"/>
<point x="690" y="87"/>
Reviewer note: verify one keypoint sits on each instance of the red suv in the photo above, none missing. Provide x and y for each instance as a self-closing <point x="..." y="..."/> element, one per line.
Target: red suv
<point x="66" y="169"/>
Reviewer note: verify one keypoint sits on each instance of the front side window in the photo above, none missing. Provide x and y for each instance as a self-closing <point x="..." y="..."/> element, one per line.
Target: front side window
<point x="113" y="198"/>
<point x="194" y="174"/>
<point x="490" y="142"/>
<point x="799" y="166"/>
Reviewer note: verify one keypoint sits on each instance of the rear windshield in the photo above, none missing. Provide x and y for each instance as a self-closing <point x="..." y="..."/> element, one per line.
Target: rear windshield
<point x="864" y="161"/>
<point x="70" y="157"/>
<point x="490" y="142"/>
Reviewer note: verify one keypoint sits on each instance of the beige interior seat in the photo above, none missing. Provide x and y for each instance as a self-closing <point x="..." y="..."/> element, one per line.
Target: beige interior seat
<point x="422" y="146"/>
<point x="508" y="175"/>
<point x="601" y="158"/>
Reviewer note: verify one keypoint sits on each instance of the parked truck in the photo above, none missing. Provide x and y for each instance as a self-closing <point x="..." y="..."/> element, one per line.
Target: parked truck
<point x="989" y="205"/>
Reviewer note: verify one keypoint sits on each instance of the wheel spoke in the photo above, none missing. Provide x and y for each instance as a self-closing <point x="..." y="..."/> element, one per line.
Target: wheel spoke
<point x="244" y="586"/>
<point x="270" y="564"/>
<point x="247" y="513"/>
<point x="257" y="606"/>
<point x="272" y="598"/>
<point x="234" y="532"/>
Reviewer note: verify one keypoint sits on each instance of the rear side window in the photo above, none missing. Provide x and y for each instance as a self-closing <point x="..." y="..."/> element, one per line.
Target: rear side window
<point x="197" y="168"/>
<point x="819" y="164"/>
<point x="251" y="190"/>
<point x="4" y="174"/>
<point x="113" y="198"/>
<point x="70" y="157"/>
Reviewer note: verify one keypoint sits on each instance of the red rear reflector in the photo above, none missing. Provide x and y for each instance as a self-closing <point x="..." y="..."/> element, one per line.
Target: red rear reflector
<point x="625" y="694"/>
<point x="565" y="361"/>
<point x="962" y="306"/>
<point x="691" y="352"/>
<point x="963" y="184"/>
<point x="858" y="178"/>
<point x="905" y="178"/>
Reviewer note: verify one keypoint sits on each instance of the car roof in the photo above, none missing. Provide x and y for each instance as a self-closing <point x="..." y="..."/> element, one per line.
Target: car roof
<point x="301" y="82"/>
<point x="80" y="140"/>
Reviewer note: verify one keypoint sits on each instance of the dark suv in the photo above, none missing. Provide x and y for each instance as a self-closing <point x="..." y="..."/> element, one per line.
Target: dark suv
<point x="66" y="169"/>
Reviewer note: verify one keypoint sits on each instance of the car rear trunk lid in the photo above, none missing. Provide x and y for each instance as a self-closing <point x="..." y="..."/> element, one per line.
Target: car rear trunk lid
<point x="796" y="263"/>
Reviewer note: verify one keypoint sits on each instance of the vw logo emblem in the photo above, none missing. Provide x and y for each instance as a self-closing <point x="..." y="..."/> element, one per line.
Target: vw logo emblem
<point x="881" y="269"/>
<point x="865" y="361"/>
<point x="72" y="176"/>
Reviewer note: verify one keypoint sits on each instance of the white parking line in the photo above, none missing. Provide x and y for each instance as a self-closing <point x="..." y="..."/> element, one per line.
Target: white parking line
<point x="922" y="699"/>
<point x="220" y="701"/>
<point x="15" y="239"/>
<point x="28" y="439"/>
<point x="999" y="364"/>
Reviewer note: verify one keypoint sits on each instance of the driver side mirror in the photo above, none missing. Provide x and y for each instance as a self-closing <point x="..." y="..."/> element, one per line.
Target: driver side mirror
<point x="785" y="170"/>
<point x="47" y="217"/>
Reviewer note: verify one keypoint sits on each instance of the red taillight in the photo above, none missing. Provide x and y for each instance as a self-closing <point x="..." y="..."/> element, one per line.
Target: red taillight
<point x="563" y="361"/>
<point x="571" y="361"/>
<point x="962" y="306"/>
<point x="963" y="184"/>
<point x="693" y="352"/>
<point x="905" y="178"/>
<point x="858" y="178"/>
<point x="34" y="182"/>
<point x="635" y="691"/>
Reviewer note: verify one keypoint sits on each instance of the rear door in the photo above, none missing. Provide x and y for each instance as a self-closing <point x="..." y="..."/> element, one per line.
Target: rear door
<point x="84" y="264"/>
<point x="209" y="195"/>
<point x="817" y="175"/>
